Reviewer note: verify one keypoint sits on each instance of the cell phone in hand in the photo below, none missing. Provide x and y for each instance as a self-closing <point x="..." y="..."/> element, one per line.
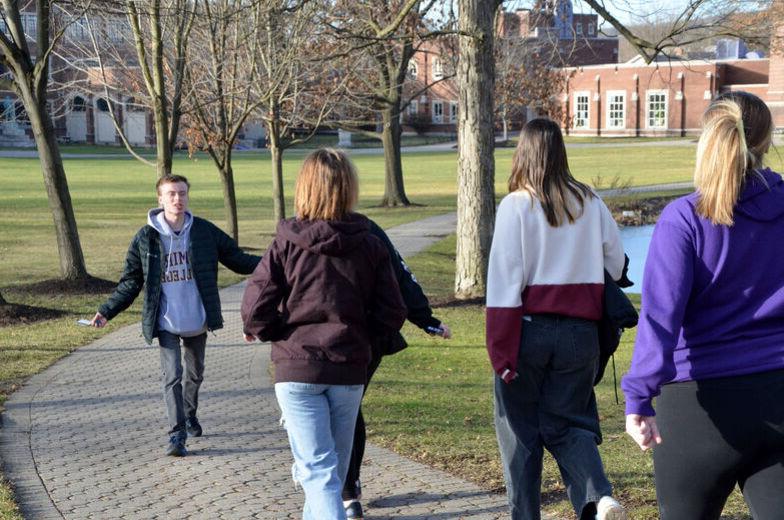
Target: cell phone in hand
<point x="435" y="331"/>
<point x="84" y="323"/>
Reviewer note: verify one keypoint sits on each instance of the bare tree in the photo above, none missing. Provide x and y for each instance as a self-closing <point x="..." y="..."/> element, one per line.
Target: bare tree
<point x="526" y="76"/>
<point x="380" y="88"/>
<point x="295" y="86"/>
<point x="137" y="49"/>
<point x="27" y="76"/>
<point x="475" y="135"/>
<point x="220" y="76"/>
<point x="695" y="21"/>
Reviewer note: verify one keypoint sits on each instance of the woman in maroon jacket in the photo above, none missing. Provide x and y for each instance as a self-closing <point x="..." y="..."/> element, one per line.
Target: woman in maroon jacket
<point x="322" y="289"/>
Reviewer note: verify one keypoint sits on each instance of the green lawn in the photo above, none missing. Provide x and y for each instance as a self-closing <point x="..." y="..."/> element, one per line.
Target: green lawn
<point x="111" y="197"/>
<point x="433" y="402"/>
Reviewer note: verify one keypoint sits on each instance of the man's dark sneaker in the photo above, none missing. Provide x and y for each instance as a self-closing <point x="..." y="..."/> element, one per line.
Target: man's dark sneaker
<point x="176" y="446"/>
<point x="194" y="428"/>
<point x="353" y="510"/>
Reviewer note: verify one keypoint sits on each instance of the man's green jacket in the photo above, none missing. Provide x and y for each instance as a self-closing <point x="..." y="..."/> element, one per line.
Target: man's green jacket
<point x="144" y="265"/>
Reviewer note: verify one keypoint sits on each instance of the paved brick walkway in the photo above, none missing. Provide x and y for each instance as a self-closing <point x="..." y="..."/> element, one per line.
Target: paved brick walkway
<point x="84" y="439"/>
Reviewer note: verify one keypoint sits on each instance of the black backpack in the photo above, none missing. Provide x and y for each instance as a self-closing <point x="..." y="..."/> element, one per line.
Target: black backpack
<point x="618" y="313"/>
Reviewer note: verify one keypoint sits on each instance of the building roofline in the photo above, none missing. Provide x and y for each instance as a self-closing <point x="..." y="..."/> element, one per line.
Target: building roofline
<point x="670" y="63"/>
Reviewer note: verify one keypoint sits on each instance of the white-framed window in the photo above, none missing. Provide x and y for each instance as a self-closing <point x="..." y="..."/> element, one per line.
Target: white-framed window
<point x="438" y="111"/>
<point x="115" y="29"/>
<point x="78" y="104"/>
<point x="413" y="69"/>
<point x="30" y="24"/>
<point x="578" y="29"/>
<point x="6" y="111"/>
<point x="616" y="109"/>
<point x="77" y="30"/>
<point x="582" y="109"/>
<point x="453" y="111"/>
<point x="591" y="29"/>
<point x="438" y="68"/>
<point x="656" y="109"/>
<point x="20" y="114"/>
<point x="413" y="107"/>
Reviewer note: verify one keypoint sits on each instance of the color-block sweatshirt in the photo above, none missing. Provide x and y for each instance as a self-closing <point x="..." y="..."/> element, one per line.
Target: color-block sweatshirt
<point x="712" y="295"/>
<point x="536" y="268"/>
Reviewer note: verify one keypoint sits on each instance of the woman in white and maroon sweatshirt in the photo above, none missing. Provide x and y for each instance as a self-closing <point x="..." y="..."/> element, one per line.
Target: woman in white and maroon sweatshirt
<point x="553" y="240"/>
<point x="322" y="290"/>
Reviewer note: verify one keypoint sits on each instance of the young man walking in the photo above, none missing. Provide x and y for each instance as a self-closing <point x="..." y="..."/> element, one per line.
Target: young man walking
<point x="175" y="259"/>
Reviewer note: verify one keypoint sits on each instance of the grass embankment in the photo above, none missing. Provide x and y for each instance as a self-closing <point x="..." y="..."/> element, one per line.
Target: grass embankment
<point x="433" y="402"/>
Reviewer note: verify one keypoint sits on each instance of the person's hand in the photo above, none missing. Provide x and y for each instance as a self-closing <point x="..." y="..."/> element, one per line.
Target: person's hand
<point x="249" y="338"/>
<point x="447" y="334"/>
<point x="98" y="321"/>
<point x="643" y="430"/>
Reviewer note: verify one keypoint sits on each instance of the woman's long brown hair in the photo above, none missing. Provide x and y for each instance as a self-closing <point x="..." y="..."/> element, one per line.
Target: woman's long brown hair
<point x="540" y="167"/>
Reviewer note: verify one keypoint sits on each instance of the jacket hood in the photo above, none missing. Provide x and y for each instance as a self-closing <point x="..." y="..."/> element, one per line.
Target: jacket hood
<point x="155" y="219"/>
<point x="326" y="237"/>
<point x="762" y="197"/>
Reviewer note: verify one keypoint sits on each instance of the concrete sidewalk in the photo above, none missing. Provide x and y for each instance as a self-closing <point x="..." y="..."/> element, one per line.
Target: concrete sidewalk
<point x="85" y="438"/>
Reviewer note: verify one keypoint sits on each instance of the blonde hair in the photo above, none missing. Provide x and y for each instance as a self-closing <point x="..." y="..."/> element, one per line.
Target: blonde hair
<point x="327" y="186"/>
<point x="737" y="130"/>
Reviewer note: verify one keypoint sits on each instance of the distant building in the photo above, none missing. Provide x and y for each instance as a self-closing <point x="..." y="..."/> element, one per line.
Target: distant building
<point x="550" y="24"/>
<point x="666" y="97"/>
<point x="554" y="23"/>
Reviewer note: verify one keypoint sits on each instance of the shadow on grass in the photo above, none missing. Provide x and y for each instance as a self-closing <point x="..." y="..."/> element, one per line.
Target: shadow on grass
<point x="16" y="314"/>
<point x="452" y="303"/>
<point x="58" y="287"/>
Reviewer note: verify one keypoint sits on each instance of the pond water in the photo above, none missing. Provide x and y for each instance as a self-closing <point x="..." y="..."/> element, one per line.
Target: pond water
<point x="635" y="242"/>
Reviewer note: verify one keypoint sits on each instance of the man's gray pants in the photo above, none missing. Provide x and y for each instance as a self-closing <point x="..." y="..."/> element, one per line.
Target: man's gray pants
<point x="181" y="396"/>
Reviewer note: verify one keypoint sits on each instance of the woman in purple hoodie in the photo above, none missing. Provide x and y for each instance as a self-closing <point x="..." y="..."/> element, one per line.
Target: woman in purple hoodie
<point x="710" y="342"/>
<point x="322" y="289"/>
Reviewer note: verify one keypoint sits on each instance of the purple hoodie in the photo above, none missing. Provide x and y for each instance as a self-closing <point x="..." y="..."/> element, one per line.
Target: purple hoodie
<point x="712" y="295"/>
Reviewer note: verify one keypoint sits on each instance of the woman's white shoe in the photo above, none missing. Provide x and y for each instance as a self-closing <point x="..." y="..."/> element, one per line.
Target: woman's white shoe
<point x="607" y="508"/>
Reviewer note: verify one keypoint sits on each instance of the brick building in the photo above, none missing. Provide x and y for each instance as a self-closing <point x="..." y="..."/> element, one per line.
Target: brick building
<point x="574" y="36"/>
<point x="666" y="97"/>
<point x="570" y="38"/>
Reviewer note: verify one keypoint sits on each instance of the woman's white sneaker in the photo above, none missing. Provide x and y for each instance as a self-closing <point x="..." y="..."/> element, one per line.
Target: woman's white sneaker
<point x="607" y="508"/>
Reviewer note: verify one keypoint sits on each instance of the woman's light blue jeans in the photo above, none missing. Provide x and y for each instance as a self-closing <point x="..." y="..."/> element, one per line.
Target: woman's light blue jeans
<point x="320" y="422"/>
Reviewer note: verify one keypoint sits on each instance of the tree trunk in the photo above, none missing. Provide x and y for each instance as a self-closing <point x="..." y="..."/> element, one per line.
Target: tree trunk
<point x="162" y="146"/>
<point x="278" y="202"/>
<point x="394" y="190"/>
<point x="72" y="266"/>
<point x="229" y="197"/>
<point x="476" y="165"/>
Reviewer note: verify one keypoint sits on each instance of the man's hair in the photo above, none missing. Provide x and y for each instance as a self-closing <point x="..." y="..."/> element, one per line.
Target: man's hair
<point x="327" y="186"/>
<point x="171" y="179"/>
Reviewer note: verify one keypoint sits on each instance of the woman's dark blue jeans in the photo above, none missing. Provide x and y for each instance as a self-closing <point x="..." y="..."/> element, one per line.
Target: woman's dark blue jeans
<point x="551" y="405"/>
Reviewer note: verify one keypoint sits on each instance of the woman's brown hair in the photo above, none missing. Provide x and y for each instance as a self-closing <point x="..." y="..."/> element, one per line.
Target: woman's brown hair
<point x="327" y="186"/>
<point x="540" y="167"/>
<point x="737" y="133"/>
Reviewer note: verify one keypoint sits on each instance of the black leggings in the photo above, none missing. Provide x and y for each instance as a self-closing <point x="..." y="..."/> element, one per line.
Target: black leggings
<point x="717" y="433"/>
<point x="350" y="488"/>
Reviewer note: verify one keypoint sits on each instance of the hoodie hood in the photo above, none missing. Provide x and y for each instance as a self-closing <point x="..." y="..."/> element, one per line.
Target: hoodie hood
<point x="155" y="218"/>
<point x="762" y="198"/>
<point x="327" y="237"/>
